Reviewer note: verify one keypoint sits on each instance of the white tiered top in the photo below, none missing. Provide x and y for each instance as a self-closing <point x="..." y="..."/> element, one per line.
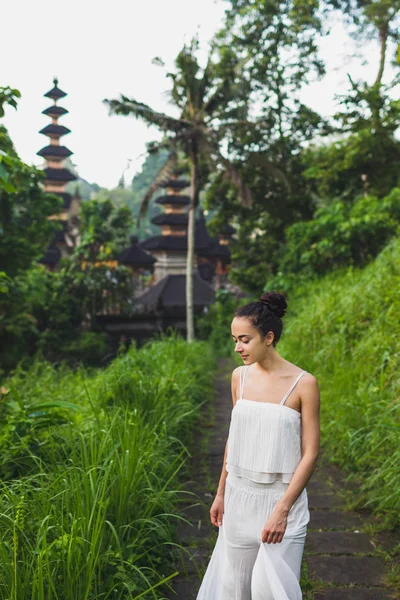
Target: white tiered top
<point x="264" y="442"/>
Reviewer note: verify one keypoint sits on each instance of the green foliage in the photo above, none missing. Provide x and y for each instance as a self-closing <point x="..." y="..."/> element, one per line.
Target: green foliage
<point x="204" y="96"/>
<point x="51" y="312"/>
<point x="55" y="312"/>
<point x="263" y="35"/>
<point x="366" y="160"/>
<point x="104" y="230"/>
<point x="25" y="425"/>
<point x="94" y="515"/>
<point x="268" y="30"/>
<point x="24" y="208"/>
<point x="340" y="234"/>
<point x="372" y="17"/>
<point x="90" y="348"/>
<point x="345" y="330"/>
<point x="8" y="96"/>
<point x="278" y="42"/>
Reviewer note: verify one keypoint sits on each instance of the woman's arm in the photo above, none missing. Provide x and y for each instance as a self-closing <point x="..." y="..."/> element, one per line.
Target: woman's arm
<point x="217" y="508"/>
<point x="310" y="408"/>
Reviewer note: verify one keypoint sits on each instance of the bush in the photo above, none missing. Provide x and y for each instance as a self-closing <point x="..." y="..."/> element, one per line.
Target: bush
<point x="93" y="511"/>
<point x="340" y="234"/>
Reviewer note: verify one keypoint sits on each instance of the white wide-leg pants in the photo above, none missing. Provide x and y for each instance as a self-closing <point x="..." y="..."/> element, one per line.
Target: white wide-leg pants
<point x="241" y="566"/>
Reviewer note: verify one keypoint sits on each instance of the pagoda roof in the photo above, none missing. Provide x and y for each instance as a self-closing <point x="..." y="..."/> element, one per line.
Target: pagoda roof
<point x="177" y="184"/>
<point x="133" y="255"/>
<point x="53" y="151"/>
<point x="165" y="242"/>
<point x="179" y="242"/>
<point x="54" y="111"/>
<point x="211" y="246"/>
<point x="216" y="250"/>
<point x="55" y="93"/>
<point x="59" y="174"/>
<point x="227" y="230"/>
<point x="55" y="130"/>
<point x="169" y="242"/>
<point x="170" y="219"/>
<point x="51" y="256"/>
<point x="59" y="234"/>
<point x="202" y="234"/>
<point x="170" y="292"/>
<point x="173" y="199"/>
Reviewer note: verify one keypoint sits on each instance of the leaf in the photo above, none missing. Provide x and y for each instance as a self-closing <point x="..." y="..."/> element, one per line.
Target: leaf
<point x="54" y="404"/>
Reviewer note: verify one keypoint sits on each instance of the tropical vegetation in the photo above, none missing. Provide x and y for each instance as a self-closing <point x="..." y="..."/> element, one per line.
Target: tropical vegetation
<point x="90" y="465"/>
<point x="93" y="449"/>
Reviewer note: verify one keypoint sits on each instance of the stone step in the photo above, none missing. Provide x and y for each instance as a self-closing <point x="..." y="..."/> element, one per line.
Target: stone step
<point x="347" y="570"/>
<point x="319" y="486"/>
<point x="338" y="542"/>
<point x="318" y="501"/>
<point x="334" y="519"/>
<point x="352" y="593"/>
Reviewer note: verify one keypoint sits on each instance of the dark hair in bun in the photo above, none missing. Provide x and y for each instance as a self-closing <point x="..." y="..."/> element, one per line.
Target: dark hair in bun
<point x="266" y="314"/>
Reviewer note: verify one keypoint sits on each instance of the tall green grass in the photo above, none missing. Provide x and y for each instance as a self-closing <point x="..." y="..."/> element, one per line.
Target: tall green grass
<point x="89" y="508"/>
<point x="345" y="329"/>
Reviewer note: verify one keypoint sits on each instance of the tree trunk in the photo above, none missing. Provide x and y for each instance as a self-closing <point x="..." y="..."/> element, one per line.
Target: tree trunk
<point x="194" y="184"/>
<point x="383" y="36"/>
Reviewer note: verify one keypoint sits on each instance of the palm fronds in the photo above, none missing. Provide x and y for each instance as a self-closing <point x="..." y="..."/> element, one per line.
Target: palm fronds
<point x="210" y="149"/>
<point x="127" y="106"/>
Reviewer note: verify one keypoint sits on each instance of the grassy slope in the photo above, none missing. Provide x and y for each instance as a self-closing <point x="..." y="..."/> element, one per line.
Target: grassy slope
<point x="90" y="512"/>
<point x="346" y="331"/>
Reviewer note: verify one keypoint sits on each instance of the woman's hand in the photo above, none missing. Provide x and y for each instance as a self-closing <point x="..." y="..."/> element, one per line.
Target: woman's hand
<point x="217" y="510"/>
<point x="275" y="527"/>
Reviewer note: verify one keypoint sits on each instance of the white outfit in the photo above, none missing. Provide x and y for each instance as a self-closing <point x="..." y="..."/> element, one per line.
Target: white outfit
<point x="264" y="449"/>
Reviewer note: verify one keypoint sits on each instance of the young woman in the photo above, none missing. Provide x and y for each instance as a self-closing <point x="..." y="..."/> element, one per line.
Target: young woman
<point x="261" y="505"/>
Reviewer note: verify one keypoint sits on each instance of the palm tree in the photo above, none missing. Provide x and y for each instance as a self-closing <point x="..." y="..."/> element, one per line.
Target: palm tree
<point x="210" y="100"/>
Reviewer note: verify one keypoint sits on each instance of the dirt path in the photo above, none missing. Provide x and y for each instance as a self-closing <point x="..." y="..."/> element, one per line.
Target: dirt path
<point x="343" y="561"/>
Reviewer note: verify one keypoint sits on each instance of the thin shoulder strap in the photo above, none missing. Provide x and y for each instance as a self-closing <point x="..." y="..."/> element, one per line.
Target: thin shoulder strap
<point x="243" y="372"/>
<point x="293" y="386"/>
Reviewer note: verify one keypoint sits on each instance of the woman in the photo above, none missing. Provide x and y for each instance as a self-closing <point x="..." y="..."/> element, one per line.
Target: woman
<point x="261" y="505"/>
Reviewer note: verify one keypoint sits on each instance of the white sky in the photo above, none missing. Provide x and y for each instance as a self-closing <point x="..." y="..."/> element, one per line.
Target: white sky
<point x="100" y="49"/>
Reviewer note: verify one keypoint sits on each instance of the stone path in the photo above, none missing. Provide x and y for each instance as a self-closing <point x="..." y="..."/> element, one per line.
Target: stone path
<point x="344" y="562"/>
<point x="345" y="559"/>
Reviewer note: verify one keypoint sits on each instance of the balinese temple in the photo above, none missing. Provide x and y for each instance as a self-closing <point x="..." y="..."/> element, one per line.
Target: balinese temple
<point x="57" y="177"/>
<point x="168" y="286"/>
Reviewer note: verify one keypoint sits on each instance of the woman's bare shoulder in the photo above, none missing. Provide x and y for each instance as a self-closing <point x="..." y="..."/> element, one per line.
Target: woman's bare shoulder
<point x="309" y="379"/>
<point x="309" y="390"/>
<point x="235" y="378"/>
<point x="235" y="383"/>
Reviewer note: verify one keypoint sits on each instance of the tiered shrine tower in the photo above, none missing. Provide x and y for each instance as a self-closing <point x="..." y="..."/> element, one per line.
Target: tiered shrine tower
<point x="57" y="176"/>
<point x="170" y="247"/>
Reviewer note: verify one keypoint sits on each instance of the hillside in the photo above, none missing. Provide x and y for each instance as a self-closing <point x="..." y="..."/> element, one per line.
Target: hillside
<point x="346" y="331"/>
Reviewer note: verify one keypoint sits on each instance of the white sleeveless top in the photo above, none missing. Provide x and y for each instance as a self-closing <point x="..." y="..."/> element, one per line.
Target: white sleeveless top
<point x="264" y="442"/>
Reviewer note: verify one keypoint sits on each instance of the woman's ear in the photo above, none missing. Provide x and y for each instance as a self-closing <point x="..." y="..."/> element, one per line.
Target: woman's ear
<point x="269" y="338"/>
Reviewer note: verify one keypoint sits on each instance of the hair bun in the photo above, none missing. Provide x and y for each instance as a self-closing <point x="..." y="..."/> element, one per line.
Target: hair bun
<point x="275" y="302"/>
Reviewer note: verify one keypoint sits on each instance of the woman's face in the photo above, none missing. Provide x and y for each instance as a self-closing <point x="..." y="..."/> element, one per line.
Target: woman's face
<point x="248" y="342"/>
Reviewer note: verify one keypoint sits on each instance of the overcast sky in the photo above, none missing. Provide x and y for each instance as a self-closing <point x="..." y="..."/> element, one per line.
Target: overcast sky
<point x="100" y="49"/>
